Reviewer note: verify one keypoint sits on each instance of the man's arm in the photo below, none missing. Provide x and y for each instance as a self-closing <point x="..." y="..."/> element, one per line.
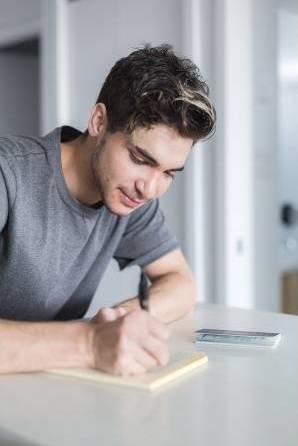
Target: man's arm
<point x="34" y="346"/>
<point x="126" y="344"/>
<point x="173" y="290"/>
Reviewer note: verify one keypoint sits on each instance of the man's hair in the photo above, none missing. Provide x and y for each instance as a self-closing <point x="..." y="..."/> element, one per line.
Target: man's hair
<point x="152" y="85"/>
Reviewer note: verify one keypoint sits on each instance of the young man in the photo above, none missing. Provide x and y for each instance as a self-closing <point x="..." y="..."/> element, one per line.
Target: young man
<point x="69" y="202"/>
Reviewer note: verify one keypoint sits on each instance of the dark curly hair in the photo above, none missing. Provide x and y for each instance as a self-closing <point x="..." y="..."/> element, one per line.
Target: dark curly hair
<point x="152" y="85"/>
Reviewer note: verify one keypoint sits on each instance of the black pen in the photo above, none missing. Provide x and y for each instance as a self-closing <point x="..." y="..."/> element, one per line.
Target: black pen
<point x="143" y="293"/>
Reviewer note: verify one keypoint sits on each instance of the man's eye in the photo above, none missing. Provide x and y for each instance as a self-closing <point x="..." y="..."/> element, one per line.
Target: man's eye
<point x="136" y="160"/>
<point x="170" y="174"/>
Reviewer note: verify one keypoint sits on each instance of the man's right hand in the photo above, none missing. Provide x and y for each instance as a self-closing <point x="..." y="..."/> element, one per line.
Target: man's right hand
<point x="108" y="314"/>
<point x="129" y="344"/>
<point x="118" y="341"/>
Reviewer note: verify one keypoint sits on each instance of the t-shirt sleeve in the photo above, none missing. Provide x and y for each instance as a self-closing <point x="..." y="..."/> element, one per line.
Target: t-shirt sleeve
<point x="7" y="190"/>
<point x="146" y="237"/>
<point x="3" y="202"/>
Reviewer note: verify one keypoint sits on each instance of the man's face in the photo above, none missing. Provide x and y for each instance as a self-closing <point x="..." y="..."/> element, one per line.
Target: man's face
<point x="130" y="170"/>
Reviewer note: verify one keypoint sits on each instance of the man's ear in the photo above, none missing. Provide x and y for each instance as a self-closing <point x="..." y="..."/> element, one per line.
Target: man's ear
<point x="98" y="120"/>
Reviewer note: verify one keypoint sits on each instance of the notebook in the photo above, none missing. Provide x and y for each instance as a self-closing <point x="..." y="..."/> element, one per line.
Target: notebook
<point x="179" y="366"/>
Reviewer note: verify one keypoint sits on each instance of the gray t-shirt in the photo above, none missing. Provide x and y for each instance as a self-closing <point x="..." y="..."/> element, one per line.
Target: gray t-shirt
<point x="54" y="249"/>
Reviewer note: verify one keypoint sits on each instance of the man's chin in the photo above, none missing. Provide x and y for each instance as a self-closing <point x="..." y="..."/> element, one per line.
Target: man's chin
<point x="119" y="209"/>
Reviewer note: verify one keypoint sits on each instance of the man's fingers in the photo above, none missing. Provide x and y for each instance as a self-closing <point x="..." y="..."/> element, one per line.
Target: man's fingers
<point x="144" y="357"/>
<point x="138" y="359"/>
<point x="142" y="323"/>
<point x="120" y="311"/>
<point x="149" y="336"/>
<point x="129" y="343"/>
<point x="132" y="367"/>
<point x="157" y="350"/>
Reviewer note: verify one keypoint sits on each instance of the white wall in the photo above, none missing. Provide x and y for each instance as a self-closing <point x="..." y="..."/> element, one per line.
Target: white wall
<point x="18" y="19"/>
<point x="19" y="94"/>
<point x="265" y="143"/>
<point x="15" y="14"/>
<point x="19" y="72"/>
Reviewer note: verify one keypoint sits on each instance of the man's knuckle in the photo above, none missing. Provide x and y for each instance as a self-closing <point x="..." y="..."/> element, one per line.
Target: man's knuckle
<point x="124" y="322"/>
<point x="134" y="315"/>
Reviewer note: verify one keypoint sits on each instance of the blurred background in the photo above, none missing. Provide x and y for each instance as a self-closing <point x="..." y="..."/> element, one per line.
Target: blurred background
<point x="235" y="207"/>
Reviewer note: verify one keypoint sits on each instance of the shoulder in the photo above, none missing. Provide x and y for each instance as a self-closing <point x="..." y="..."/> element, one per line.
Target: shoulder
<point x="14" y="147"/>
<point x="8" y="152"/>
<point x="15" y="154"/>
<point x="9" y="147"/>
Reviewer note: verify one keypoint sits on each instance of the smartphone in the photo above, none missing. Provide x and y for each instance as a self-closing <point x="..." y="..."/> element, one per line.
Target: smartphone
<point x="232" y="337"/>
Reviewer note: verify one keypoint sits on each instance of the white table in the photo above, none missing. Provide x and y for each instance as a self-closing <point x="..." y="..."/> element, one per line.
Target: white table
<point x="244" y="397"/>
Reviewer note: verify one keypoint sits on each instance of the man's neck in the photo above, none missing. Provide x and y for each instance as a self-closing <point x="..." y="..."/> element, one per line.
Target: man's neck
<point x="76" y="166"/>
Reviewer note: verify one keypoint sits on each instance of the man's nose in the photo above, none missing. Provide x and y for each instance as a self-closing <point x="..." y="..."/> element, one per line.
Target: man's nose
<point x="148" y="187"/>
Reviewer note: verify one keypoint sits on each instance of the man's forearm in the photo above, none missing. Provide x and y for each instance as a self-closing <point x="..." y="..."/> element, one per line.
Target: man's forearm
<point x="35" y="346"/>
<point x="172" y="296"/>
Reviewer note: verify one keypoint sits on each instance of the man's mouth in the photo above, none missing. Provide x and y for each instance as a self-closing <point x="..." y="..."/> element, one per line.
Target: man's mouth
<point x="129" y="201"/>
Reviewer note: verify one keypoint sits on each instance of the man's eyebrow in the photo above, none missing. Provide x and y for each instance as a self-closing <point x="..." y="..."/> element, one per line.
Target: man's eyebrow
<point x="149" y="158"/>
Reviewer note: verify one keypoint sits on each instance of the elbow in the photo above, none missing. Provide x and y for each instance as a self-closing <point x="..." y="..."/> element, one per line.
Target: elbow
<point x="191" y="300"/>
<point x="192" y="294"/>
